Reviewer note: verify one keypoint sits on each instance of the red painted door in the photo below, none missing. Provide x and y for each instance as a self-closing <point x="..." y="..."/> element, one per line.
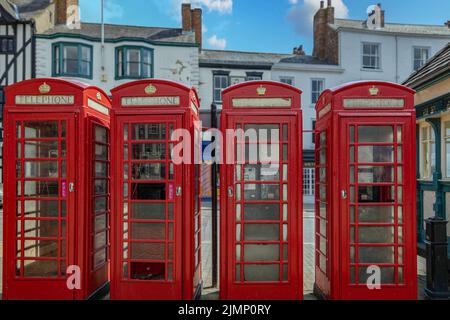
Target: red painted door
<point x="40" y="205"/>
<point x="377" y="208"/>
<point x="264" y="237"/>
<point x="149" y="229"/>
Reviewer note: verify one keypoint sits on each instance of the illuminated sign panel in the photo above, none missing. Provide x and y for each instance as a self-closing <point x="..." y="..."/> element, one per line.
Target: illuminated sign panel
<point x="44" y="100"/>
<point x="150" y="101"/>
<point x="97" y="106"/>
<point x="262" y="102"/>
<point x="373" y="103"/>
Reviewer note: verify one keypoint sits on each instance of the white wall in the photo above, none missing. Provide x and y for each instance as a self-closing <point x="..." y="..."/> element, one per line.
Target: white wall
<point x="396" y="54"/>
<point x="170" y="62"/>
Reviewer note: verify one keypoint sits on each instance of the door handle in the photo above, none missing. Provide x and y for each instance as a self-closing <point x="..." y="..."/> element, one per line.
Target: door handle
<point x="178" y="191"/>
<point x="230" y="192"/>
<point x="344" y="194"/>
<point x="71" y="187"/>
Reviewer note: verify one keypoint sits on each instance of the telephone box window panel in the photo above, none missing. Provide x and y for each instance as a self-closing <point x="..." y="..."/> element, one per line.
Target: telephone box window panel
<point x="44" y="191"/>
<point x="369" y="228"/>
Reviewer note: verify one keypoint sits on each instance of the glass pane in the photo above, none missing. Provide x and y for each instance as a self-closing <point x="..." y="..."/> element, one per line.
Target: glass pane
<point x="261" y="273"/>
<point x="148" y="231"/>
<point x="148" y="191"/>
<point x="41" y="209"/>
<point x="376" y="194"/>
<point x="40" y="248"/>
<point x="100" y="240"/>
<point x="387" y="275"/>
<point x="263" y="132"/>
<point x="148" y="171"/>
<point x="376" y="254"/>
<point x="375" y="134"/>
<point x="41" y="149"/>
<point x="148" y="211"/>
<point x="374" y="154"/>
<point x="101" y="152"/>
<point x="261" y="172"/>
<point x="148" y="251"/>
<point x="368" y="214"/>
<point x="149" y="271"/>
<point x="376" y="235"/>
<point x="262" y="232"/>
<point x="100" y="222"/>
<point x="101" y="204"/>
<point x="41" y="129"/>
<point x="41" y="189"/>
<point x="149" y="151"/>
<point x="41" y="229"/>
<point x="99" y="258"/>
<point x="261" y="212"/>
<point x="101" y="170"/>
<point x="262" y="192"/>
<point x="101" y="187"/>
<point x="41" y="169"/>
<point x="261" y="252"/>
<point x="370" y="174"/>
<point x="150" y="131"/>
<point x="40" y="268"/>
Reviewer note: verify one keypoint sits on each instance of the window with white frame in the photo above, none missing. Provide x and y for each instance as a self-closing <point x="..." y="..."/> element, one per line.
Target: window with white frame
<point x="371" y="56"/>
<point x="254" y="76"/>
<point x="287" y="80"/>
<point x="421" y="56"/>
<point x="447" y="148"/>
<point x="317" y="86"/>
<point x="427" y="152"/>
<point x="308" y="181"/>
<point x="220" y="81"/>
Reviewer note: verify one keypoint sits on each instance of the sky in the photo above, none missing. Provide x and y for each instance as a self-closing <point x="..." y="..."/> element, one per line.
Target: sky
<point x="259" y="25"/>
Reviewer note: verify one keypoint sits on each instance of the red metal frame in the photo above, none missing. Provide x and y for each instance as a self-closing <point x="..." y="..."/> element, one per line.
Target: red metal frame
<point x="288" y="283"/>
<point x="169" y="258"/>
<point x="72" y="242"/>
<point x="350" y="223"/>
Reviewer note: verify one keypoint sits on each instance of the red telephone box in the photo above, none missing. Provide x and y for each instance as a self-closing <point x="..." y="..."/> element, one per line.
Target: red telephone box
<point x="56" y="174"/>
<point x="261" y="188"/>
<point x="156" y="238"/>
<point x="366" y="192"/>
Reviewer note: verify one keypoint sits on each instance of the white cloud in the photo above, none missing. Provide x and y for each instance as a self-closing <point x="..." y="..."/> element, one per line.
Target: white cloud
<point x="220" y="6"/>
<point x="302" y="15"/>
<point x="217" y="43"/>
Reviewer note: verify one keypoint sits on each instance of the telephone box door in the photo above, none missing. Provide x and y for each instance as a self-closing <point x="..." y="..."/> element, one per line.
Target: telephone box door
<point x="40" y="200"/>
<point x="377" y="207"/>
<point x="150" y="218"/>
<point x="264" y="227"/>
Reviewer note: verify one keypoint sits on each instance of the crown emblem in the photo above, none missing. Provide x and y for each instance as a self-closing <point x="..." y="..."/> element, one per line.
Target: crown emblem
<point x="261" y="90"/>
<point x="44" y="88"/>
<point x="374" y="91"/>
<point x="150" y="89"/>
<point x="99" y="96"/>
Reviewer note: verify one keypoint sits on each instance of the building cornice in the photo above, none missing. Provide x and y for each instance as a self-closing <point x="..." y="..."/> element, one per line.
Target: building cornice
<point x="391" y="33"/>
<point x="116" y="40"/>
<point x="307" y="67"/>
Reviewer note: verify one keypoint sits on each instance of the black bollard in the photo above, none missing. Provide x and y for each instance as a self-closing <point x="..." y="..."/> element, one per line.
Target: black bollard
<point x="437" y="270"/>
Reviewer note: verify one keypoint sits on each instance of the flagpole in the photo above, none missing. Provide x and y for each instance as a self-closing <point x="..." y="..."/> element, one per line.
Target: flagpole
<point x="103" y="34"/>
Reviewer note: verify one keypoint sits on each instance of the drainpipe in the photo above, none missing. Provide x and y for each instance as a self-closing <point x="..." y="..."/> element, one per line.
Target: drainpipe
<point x="397" y="77"/>
<point x="103" y="41"/>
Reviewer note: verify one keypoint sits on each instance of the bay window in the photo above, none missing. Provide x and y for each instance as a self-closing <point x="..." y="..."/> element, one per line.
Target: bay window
<point x="72" y="60"/>
<point x="134" y="62"/>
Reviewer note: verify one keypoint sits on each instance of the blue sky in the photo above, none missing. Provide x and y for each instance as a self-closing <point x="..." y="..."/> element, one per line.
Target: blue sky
<point x="259" y="25"/>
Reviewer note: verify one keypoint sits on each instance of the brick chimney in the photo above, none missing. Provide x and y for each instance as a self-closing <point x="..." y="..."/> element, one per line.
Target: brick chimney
<point x="447" y="23"/>
<point x="376" y="18"/>
<point x="68" y="13"/>
<point x="191" y="20"/>
<point x="325" y="39"/>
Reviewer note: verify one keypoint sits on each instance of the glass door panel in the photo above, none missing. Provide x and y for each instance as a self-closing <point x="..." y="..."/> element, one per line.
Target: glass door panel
<point x="41" y="192"/>
<point x="261" y="203"/>
<point x="376" y="196"/>
<point x="148" y="221"/>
